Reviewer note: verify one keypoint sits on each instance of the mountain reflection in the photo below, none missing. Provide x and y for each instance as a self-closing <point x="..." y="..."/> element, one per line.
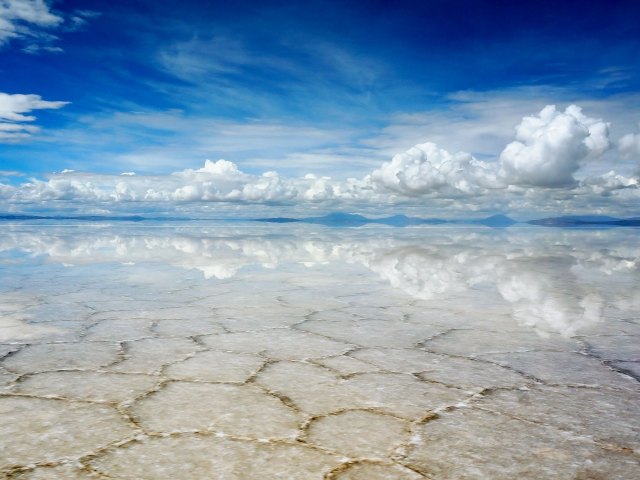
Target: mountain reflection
<point x="554" y="281"/>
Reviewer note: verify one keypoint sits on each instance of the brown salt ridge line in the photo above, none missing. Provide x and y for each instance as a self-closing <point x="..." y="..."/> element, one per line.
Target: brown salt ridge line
<point x="13" y="470"/>
<point x="19" y="470"/>
<point x="604" y="363"/>
<point x="348" y="346"/>
<point x="119" y="407"/>
<point x="295" y="327"/>
<point x="306" y="425"/>
<point x="587" y="350"/>
<point x="428" y="416"/>
<point x="127" y="356"/>
<point x="484" y="360"/>
<point x="346" y="466"/>
<point x="208" y="433"/>
<point x="604" y="445"/>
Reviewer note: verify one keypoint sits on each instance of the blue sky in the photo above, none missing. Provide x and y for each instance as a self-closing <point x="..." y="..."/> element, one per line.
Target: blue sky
<point x="335" y="89"/>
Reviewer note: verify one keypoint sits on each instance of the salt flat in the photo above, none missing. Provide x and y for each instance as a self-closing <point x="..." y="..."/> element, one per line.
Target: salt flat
<point x="235" y="351"/>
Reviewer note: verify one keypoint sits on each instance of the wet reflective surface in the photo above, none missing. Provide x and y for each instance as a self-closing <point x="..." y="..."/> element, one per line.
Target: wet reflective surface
<point x="288" y="351"/>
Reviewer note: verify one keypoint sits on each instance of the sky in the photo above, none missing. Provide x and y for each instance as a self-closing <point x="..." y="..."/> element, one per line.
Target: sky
<point x="431" y="107"/>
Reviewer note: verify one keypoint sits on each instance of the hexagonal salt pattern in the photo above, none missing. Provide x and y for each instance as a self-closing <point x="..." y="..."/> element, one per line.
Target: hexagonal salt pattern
<point x="358" y="433"/>
<point x="215" y="354"/>
<point x="242" y="410"/>
<point x="35" y="430"/>
<point x="197" y="456"/>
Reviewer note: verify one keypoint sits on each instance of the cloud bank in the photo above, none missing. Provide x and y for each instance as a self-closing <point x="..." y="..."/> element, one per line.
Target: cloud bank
<point x="540" y="170"/>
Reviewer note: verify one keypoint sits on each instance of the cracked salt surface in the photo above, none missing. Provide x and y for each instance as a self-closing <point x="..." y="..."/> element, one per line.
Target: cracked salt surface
<point x="272" y="352"/>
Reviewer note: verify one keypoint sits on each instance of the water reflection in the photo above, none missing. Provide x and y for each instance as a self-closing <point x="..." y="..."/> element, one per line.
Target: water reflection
<point x="553" y="280"/>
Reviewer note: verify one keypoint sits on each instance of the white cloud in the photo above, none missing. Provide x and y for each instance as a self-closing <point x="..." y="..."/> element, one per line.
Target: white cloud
<point x="536" y="173"/>
<point x="12" y="114"/>
<point x="629" y="147"/>
<point x="32" y="21"/>
<point x="25" y="19"/>
<point x="426" y="169"/>
<point x="550" y="147"/>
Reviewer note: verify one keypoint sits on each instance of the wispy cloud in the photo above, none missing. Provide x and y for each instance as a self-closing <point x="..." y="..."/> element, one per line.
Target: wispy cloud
<point x="24" y="18"/>
<point x="13" y="121"/>
<point x="32" y="23"/>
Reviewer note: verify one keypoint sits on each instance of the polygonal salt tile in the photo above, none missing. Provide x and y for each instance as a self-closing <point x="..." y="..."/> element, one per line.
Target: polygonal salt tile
<point x="364" y="308"/>
<point x="278" y="344"/>
<point x="177" y="312"/>
<point x="62" y="356"/>
<point x="459" y="372"/>
<point x="232" y="409"/>
<point x="403" y="395"/>
<point x="374" y="333"/>
<point x="319" y="391"/>
<point x="92" y="386"/>
<point x="17" y="328"/>
<point x="615" y="347"/>
<point x="119" y="330"/>
<point x="215" y="366"/>
<point x="611" y="417"/>
<point x="347" y="365"/>
<point x="62" y="472"/>
<point x="373" y="471"/>
<point x="38" y="430"/>
<point x="337" y="315"/>
<point x="187" y="327"/>
<point x="246" y="320"/>
<point x="358" y="433"/>
<point x="473" y="444"/>
<point x="469" y="374"/>
<point x="313" y="389"/>
<point x="309" y="299"/>
<point x="563" y="368"/>
<point x="401" y="360"/>
<point x="150" y="355"/>
<point x="470" y="343"/>
<point x="200" y="457"/>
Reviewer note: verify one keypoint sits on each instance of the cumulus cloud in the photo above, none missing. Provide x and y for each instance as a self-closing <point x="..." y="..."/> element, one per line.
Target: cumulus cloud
<point x="629" y="147"/>
<point x="12" y="114"/>
<point x="426" y="168"/>
<point x="548" y="151"/>
<point x="549" y="148"/>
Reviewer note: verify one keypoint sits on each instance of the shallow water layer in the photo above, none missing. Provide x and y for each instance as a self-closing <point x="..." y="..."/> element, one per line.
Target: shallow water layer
<point x="235" y="351"/>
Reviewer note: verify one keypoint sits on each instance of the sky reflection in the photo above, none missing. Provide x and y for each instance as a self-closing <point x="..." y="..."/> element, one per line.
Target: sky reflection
<point x="553" y="281"/>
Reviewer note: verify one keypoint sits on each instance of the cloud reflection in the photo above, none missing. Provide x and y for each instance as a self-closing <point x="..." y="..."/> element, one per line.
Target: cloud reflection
<point x="552" y="281"/>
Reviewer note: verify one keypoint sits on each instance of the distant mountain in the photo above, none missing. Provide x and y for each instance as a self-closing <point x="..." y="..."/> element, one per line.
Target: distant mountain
<point x="340" y="219"/>
<point x="278" y="220"/>
<point x="496" y="221"/>
<point x="586" y="221"/>
<point x="86" y="218"/>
